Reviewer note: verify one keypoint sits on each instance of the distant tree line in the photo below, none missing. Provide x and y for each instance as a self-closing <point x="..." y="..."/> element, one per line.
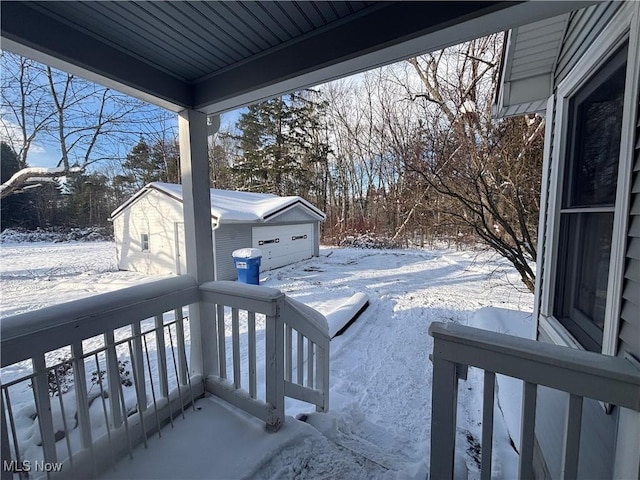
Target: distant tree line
<point x="408" y="152"/>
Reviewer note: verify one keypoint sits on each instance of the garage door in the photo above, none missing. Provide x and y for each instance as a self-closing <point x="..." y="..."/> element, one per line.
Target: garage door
<point x="283" y="244"/>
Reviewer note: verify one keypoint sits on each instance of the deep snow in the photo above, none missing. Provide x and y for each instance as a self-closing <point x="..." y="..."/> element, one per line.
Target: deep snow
<point x="379" y="423"/>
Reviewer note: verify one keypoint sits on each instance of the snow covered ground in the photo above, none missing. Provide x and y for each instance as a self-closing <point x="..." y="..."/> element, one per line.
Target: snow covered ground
<point x="379" y="424"/>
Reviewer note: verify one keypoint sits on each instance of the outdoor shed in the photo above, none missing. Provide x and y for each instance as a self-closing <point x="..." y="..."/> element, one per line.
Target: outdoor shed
<point x="149" y="230"/>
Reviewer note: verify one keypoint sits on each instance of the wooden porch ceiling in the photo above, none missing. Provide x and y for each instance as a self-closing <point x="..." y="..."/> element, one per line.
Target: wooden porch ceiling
<point x="215" y="56"/>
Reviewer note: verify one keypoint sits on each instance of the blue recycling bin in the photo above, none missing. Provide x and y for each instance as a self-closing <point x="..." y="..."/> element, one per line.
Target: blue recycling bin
<point x="247" y="261"/>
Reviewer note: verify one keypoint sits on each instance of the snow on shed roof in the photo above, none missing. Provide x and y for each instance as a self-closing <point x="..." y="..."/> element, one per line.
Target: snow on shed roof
<point x="230" y="206"/>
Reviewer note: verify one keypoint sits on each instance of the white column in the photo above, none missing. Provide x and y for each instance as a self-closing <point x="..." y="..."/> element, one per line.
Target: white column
<point x="194" y="164"/>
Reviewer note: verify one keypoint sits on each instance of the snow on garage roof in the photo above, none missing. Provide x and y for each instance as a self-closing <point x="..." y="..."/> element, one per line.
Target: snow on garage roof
<point x="230" y="206"/>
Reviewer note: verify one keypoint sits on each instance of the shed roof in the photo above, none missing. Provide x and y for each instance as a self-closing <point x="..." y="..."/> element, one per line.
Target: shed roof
<point x="230" y="206"/>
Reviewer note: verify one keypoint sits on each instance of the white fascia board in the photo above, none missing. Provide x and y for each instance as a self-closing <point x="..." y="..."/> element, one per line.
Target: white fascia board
<point x="529" y="90"/>
<point x="103" y="80"/>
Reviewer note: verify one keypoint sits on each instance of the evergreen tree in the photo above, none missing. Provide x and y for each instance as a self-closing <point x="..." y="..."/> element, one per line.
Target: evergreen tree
<point x="281" y="145"/>
<point x="16" y="210"/>
<point x="141" y="166"/>
<point x="90" y="201"/>
<point x="158" y="162"/>
<point x="165" y="157"/>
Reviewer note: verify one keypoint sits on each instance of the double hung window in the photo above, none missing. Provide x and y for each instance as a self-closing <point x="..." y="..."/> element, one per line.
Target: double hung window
<point x="587" y="202"/>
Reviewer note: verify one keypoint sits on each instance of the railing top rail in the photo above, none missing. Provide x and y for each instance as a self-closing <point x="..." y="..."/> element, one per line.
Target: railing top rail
<point x="33" y="333"/>
<point x="606" y="378"/>
<point x="253" y="298"/>
<point x="315" y="328"/>
<point x="255" y="292"/>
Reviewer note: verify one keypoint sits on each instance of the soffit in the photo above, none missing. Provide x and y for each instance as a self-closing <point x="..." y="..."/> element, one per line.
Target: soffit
<point x="216" y="55"/>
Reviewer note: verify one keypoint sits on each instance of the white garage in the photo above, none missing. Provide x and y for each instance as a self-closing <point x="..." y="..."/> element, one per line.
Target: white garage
<point x="149" y="229"/>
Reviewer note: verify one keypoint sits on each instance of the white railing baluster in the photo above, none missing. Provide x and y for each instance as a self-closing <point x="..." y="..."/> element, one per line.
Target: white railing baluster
<point x="113" y="379"/>
<point x="5" y="447"/>
<point x="6" y="451"/>
<point x="529" y="395"/>
<point x="182" y="368"/>
<point x="64" y="419"/>
<point x="309" y="363"/>
<point x="487" y="424"/>
<point x="235" y="339"/>
<point x="572" y="438"/>
<point x="300" y="355"/>
<point x="138" y="371"/>
<point x="125" y="419"/>
<point x="137" y="363"/>
<point x="82" y="401"/>
<point x="43" y="405"/>
<point x="161" y="355"/>
<point x="289" y="353"/>
<point x="444" y="402"/>
<point x="153" y="388"/>
<point x="251" y="320"/>
<point x="274" y="345"/>
<point x="175" y="370"/>
<point x="104" y="407"/>
<point x="222" y="350"/>
<point x="322" y="377"/>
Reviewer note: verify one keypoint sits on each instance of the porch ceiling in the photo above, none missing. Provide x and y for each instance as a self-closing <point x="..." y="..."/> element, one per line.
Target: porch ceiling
<point x="215" y="56"/>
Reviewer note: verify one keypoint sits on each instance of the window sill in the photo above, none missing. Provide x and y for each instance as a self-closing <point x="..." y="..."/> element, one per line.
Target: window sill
<point x="558" y="334"/>
<point x="561" y="336"/>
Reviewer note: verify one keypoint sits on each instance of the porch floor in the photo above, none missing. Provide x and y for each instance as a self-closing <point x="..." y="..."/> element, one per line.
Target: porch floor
<point x="216" y="441"/>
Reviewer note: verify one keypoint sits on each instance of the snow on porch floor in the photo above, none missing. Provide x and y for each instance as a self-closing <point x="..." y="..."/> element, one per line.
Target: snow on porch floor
<point x="217" y="441"/>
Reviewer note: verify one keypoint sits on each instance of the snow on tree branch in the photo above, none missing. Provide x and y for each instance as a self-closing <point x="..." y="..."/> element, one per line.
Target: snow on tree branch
<point x="22" y="178"/>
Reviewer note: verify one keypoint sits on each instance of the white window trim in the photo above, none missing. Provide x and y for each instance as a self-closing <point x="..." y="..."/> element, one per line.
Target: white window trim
<point x="617" y="32"/>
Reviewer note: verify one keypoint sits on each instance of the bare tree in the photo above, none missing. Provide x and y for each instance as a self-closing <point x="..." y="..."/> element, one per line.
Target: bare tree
<point x="81" y="120"/>
<point x="490" y="169"/>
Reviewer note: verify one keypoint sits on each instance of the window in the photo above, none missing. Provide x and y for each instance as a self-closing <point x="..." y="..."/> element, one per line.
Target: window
<point x="588" y="199"/>
<point x="144" y="242"/>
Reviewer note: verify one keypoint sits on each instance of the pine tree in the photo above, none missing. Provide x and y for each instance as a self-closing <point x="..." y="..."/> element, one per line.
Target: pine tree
<point x="142" y="167"/>
<point x="282" y="145"/>
<point x="16" y="210"/>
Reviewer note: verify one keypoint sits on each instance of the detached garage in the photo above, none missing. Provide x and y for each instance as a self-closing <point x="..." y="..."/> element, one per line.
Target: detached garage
<point x="149" y="230"/>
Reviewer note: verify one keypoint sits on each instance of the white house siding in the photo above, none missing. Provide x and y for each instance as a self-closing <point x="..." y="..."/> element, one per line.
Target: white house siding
<point x="583" y="28"/>
<point x="598" y="439"/>
<point x="154" y="214"/>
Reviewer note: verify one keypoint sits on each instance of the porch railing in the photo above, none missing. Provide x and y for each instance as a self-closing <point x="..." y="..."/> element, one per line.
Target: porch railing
<point x="239" y="309"/>
<point x="94" y="378"/>
<point x="581" y="374"/>
<point x="105" y="372"/>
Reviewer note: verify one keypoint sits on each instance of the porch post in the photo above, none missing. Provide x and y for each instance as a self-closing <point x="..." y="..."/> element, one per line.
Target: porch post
<point x="194" y="165"/>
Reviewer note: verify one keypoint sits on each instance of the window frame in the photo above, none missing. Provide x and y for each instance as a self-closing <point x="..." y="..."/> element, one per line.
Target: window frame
<point x="576" y="213"/>
<point x="144" y="241"/>
<point x="614" y="36"/>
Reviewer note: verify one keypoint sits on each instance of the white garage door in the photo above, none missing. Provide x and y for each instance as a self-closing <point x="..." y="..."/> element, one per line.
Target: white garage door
<point x="283" y="244"/>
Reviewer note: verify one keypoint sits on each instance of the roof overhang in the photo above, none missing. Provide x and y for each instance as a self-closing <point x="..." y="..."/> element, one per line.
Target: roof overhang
<point x="309" y="49"/>
<point x="528" y="64"/>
